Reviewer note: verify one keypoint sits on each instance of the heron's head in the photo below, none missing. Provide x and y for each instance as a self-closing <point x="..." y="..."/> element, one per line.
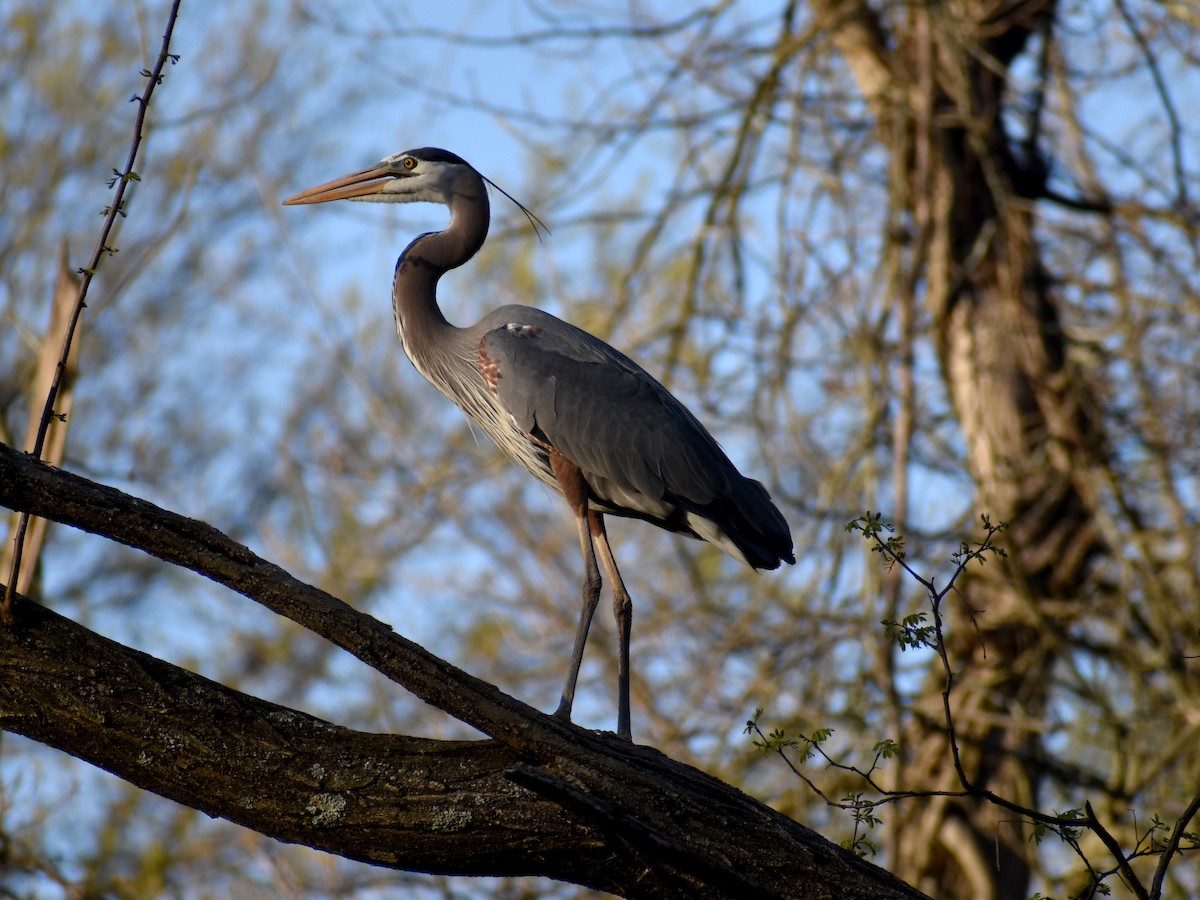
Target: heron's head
<point x="427" y="174"/>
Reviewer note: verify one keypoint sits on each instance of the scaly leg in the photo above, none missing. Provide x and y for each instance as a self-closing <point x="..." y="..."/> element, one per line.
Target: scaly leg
<point x="623" y="612"/>
<point x="574" y="489"/>
<point x="591" y="596"/>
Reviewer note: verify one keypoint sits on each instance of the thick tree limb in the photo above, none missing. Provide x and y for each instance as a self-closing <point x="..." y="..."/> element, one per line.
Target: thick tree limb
<point x="544" y="797"/>
<point x="385" y="799"/>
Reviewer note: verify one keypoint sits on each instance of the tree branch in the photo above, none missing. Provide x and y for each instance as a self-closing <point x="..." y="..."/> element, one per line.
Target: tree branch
<point x="1172" y="846"/>
<point x="386" y="799"/>
<point x="636" y="822"/>
<point x="121" y="181"/>
<point x="860" y="37"/>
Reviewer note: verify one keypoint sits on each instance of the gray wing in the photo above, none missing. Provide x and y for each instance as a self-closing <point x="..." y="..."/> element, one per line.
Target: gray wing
<point x="641" y="451"/>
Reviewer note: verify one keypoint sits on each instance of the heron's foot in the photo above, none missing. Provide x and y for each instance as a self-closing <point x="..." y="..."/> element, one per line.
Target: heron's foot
<point x="623" y="729"/>
<point x="564" y="710"/>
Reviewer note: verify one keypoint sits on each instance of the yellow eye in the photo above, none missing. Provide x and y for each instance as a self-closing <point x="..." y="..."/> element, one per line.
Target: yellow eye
<point x="409" y="163"/>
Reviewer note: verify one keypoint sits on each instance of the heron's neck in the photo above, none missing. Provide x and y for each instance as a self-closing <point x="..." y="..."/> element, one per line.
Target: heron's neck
<point x="430" y="341"/>
<point x="419" y="319"/>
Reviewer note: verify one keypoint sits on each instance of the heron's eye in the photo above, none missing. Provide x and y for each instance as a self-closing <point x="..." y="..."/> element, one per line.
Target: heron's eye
<point x="409" y="163"/>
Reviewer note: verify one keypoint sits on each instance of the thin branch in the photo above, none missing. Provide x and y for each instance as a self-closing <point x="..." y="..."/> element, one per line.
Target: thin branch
<point x="1065" y="826"/>
<point x="1160" y="85"/>
<point x="121" y="180"/>
<point x="1172" y="846"/>
<point x="886" y="794"/>
<point x="892" y="551"/>
<point x="406" y="31"/>
<point x="1110" y="843"/>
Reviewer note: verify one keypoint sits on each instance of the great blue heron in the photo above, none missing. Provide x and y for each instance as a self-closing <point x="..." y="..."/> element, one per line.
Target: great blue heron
<point x="581" y="416"/>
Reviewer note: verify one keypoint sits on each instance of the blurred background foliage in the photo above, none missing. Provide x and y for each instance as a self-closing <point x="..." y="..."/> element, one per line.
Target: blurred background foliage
<point x="722" y="208"/>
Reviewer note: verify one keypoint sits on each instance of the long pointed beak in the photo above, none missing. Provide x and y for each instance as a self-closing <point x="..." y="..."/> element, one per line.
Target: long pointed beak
<point x="359" y="184"/>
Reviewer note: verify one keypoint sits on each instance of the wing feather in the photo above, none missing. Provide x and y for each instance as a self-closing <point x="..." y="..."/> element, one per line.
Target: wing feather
<point x="639" y="448"/>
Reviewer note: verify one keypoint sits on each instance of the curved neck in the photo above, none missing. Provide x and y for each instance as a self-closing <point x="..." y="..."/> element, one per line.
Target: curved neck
<point x="423" y="329"/>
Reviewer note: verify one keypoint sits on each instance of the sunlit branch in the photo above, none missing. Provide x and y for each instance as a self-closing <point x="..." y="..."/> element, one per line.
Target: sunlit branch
<point x="121" y="180"/>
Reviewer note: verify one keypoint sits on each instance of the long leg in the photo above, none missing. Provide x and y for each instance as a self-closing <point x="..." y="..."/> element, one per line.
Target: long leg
<point x="575" y="491"/>
<point x="591" y="597"/>
<point x="623" y="612"/>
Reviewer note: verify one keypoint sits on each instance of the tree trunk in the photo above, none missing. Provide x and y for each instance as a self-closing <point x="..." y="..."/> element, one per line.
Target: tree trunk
<point x="935" y="77"/>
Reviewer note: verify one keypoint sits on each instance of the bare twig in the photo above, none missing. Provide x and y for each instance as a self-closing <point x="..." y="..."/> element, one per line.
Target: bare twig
<point x="121" y="179"/>
<point x="1172" y="846"/>
<point x="1168" y="105"/>
<point x="1110" y="843"/>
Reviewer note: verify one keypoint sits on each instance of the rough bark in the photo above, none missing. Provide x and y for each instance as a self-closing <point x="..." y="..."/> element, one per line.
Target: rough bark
<point x="62" y="303"/>
<point x="935" y="77"/>
<point x="542" y="797"/>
